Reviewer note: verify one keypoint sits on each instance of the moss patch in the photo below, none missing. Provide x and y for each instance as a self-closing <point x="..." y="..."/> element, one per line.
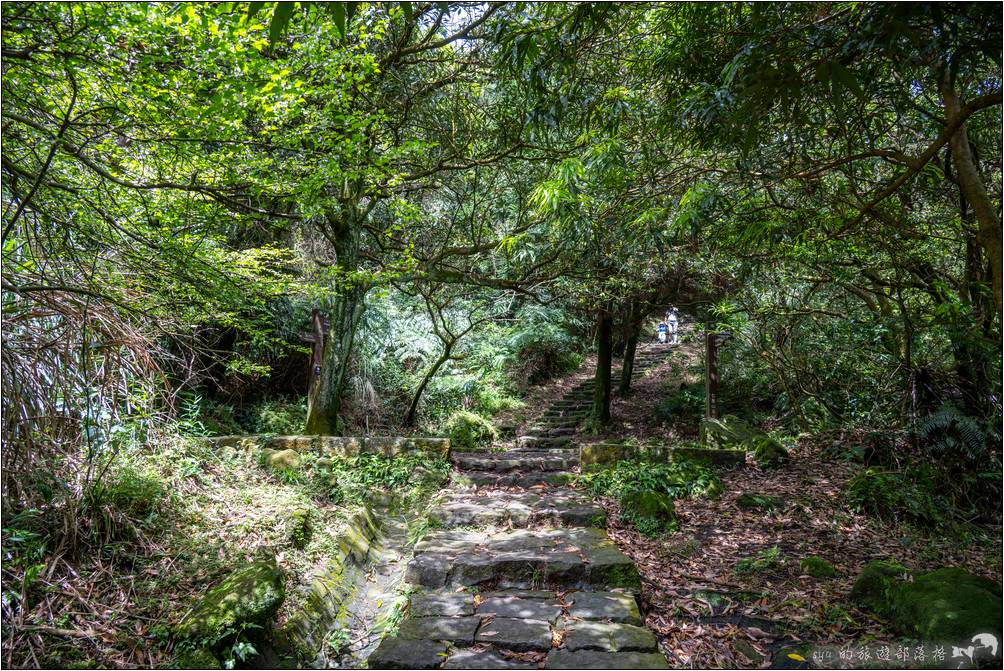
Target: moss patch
<point x="652" y="513"/>
<point x="247" y="598"/>
<point x="817" y="567"/>
<point x="947" y="605"/>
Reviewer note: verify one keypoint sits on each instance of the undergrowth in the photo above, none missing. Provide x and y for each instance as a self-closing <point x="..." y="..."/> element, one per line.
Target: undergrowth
<point x="678" y="479"/>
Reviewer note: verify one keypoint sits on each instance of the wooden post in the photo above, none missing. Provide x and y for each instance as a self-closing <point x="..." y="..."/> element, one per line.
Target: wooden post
<point x="316" y="337"/>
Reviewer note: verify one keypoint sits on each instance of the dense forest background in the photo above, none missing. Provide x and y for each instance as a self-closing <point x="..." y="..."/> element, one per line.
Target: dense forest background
<point x="478" y="197"/>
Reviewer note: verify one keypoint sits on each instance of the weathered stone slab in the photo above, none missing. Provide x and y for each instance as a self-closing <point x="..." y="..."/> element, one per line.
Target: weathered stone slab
<point x="441" y="605"/>
<point x="609" y="637"/>
<point x="511" y="606"/>
<point x="516" y="634"/>
<point x="458" y="630"/>
<point x="488" y="659"/>
<point x="592" y="659"/>
<point x="336" y="446"/>
<point x="428" y="570"/>
<point x="299" y="443"/>
<point x="613" y="606"/>
<point x="398" y="653"/>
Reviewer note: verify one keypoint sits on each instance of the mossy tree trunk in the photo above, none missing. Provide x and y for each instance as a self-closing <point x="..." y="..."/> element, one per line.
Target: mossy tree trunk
<point x="324" y="397"/>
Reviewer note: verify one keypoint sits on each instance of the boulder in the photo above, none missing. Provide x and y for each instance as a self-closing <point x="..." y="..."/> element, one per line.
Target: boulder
<point x="732" y="433"/>
<point x="249" y="596"/>
<point x="281" y="460"/>
<point x="948" y="605"/>
<point x="758" y="502"/>
<point x="651" y="512"/>
<point x="817" y="567"/>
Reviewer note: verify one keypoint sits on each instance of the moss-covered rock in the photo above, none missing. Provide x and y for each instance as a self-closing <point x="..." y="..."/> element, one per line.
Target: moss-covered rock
<point x="768" y="451"/>
<point x="947" y="605"/>
<point x="874" y="588"/>
<point x="758" y="502"/>
<point x="817" y="567"/>
<point x="469" y="431"/>
<point x="652" y="513"/>
<point x="249" y="596"/>
<point x="733" y="433"/>
<point x="281" y="460"/>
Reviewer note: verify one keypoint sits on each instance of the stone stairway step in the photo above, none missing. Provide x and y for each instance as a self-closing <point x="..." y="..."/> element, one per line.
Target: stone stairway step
<point x="516" y="478"/>
<point x="582" y="558"/>
<point x="507" y="461"/>
<point x="520" y="620"/>
<point x="550" y="432"/>
<point x="558" y="507"/>
<point x="527" y="442"/>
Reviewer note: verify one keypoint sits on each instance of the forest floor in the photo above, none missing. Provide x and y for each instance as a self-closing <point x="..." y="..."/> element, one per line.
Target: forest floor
<point x="727" y="588"/>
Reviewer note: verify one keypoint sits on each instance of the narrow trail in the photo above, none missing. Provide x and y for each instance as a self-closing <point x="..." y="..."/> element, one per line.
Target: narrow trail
<point x="518" y="571"/>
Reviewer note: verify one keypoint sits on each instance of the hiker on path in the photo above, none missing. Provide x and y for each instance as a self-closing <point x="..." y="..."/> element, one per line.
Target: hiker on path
<point x="663" y="332"/>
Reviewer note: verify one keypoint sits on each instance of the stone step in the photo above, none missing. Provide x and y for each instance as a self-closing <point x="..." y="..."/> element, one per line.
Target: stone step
<point x="557" y="508"/>
<point x="579" y="558"/>
<point x="550" y="432"/>
<point x="516" y="478"/>
<point x="527" y="442"/>
<point x="507" y="461"/>
<point x="481" y="633"/>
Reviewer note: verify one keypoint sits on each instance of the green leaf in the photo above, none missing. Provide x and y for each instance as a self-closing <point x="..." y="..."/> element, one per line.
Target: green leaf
<point x="406" y="8"/>
<point x="280" y="19"/>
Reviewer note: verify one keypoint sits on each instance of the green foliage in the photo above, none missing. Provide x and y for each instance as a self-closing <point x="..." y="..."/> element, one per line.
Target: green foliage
<point x="134" y="493"/>
<point x="651" y="513"/>
<point x="913" y="495"/>
<point x="678" y="479"/>
<point x="283" y="418"/>
<point x="682" y="409"/>
<point x="411" y="475"/>
<point x="469" y="431"/>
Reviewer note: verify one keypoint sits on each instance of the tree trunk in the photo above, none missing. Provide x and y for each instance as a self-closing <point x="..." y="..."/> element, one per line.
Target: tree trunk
<point x="409" y="418"/>
<point x="324" y="397"/>
<point x="971" y="185"/>
<point x="632" y="328"/>
<point x="604" y="356"/>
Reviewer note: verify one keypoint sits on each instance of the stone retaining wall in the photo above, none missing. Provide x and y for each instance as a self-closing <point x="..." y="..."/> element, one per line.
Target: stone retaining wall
<point x="338" y="446"/>
<point x="331" y="590"/>
<point x="597" y="454"/>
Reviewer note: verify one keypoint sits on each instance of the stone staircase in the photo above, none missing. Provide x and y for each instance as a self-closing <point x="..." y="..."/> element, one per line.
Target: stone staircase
<point x="517" y="571"/>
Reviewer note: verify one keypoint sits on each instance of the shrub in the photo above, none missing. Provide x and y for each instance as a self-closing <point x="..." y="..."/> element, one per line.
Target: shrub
<point x="683" y="408"/>
<point x="281" y="417"/>
<point x="909" y="495"/>
<point x="678" y="479"/>
<point x="129" y="491"/>
<point x="470" y="431"/>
